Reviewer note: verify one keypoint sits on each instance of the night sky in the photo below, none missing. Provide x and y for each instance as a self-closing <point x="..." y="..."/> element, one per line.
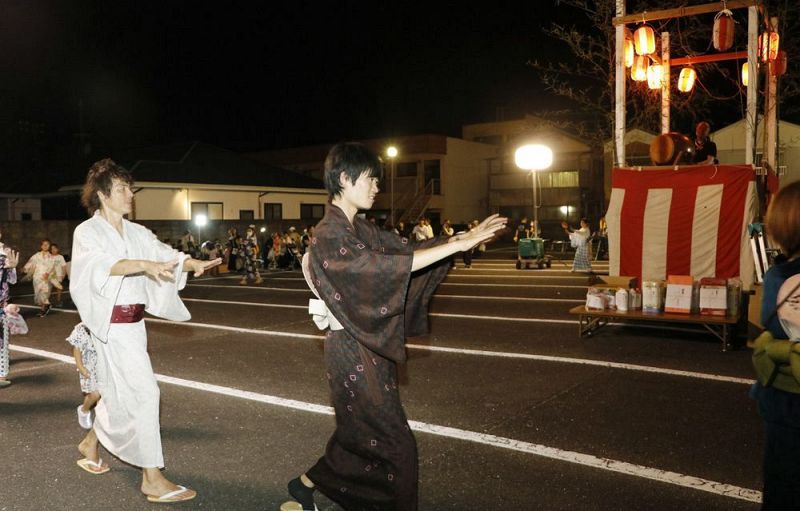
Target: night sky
<point x="251" y="75"/>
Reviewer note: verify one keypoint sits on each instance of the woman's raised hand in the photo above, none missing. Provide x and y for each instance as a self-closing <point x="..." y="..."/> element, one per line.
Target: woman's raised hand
<point x="12" y="259"/>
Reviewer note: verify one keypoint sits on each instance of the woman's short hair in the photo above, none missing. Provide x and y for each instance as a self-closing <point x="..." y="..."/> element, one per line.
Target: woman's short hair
<point x="351" y="159"/>
<point x="783" y="219"/>
<point x="100" y="178"/>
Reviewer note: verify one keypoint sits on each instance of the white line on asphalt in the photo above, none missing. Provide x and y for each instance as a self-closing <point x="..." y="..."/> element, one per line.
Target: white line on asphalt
<point x="525" y="276"/>
<point x="587" y="460"/>
<point x="484" y="353"/>
<point x="590" y="362"/>
<point x="254" y="304"/>
<point x="513" y="298"/>
<point x="255" y="287"/>
<point x="548" y="286"/>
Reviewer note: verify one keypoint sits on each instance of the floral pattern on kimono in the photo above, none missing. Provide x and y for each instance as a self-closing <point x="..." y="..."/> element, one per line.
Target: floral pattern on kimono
<point x="81" y="338"/>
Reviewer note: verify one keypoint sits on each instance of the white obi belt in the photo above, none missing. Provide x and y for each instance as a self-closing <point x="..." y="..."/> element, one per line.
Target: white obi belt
<point x="320" y="313"/>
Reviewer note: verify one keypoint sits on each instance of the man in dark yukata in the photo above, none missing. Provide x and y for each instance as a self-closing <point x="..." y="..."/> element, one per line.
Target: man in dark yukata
<point x="373" y="288"/>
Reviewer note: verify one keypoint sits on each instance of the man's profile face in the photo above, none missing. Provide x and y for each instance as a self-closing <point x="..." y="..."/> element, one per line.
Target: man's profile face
<point x="702" y="130"/>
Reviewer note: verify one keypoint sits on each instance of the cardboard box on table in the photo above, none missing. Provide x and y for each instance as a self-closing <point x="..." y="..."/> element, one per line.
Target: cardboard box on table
<point x="679" y="294"/>
<point x="601" y="295"/>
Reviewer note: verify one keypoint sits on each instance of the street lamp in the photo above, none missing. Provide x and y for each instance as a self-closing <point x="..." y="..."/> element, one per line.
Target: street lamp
<point x="534" y="157"/>
<point x="391" y="153"/>
<point x="200" y="221"/>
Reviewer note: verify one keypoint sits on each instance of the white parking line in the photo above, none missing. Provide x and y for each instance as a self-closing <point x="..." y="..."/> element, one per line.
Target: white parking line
<point x="587" y="460"/>
<point x="461" y="351"/>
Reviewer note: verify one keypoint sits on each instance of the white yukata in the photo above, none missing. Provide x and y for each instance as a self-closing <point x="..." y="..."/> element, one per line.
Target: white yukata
<point x="126" y="418"/>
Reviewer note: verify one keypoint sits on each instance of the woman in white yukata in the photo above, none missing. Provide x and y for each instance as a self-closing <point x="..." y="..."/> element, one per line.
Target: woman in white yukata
<point x="119" y="271"/>
<point x="583" y="248"/>
<point x="41" y="267"/>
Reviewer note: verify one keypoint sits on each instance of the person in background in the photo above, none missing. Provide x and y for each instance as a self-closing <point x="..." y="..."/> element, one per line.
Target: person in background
<point x="419" y="233"/>
<point x="428" y="229"/>
<point x="40" y="267"/>
<point x="232" y="249"/>
<point x="602" y="236"/>
<point x="86" y="361"/>
<point x="780" y="409"/>
<point x="401" y="229"/>
<point x="250" y="252"/>
<point x="305" y="240"/>
<point x="59" y="272"/>
<point x="705" y="151"/>
<point x="447" y="232"/>
<point x="522" y="230"/>
<point x="8" y="276"/>
<point x="579" y="239"/>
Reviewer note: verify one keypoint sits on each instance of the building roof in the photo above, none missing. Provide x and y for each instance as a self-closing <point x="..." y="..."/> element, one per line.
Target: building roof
<point x="199" y="163"/>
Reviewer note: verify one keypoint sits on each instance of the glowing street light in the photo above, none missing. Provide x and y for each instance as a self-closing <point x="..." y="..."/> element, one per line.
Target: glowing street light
<point x="534" y="157"/>
<point x="391" y="153"/>
<point x="200" y="220"/>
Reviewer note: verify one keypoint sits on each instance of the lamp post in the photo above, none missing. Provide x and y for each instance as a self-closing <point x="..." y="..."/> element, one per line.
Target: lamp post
<point x="534" y="157"/>
<point x="391" y="153"/>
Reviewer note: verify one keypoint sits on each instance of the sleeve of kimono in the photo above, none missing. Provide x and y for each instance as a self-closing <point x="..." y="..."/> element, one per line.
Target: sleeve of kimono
<point x="365" y="289"/>
<point x="30" y="265"/>
<point x="92" y="287"/>
<point x="11" y="275"/>
<point x="162" y="296"/>
<point x="421" y="288"/>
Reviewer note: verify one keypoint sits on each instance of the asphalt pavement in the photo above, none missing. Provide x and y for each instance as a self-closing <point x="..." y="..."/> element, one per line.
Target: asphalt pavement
<point x="511" y="409"/>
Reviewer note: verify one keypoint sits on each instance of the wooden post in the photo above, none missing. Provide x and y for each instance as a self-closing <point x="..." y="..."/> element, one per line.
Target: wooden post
<point x="752" y="88"/>
<point x="619" y="90"/>
<point x="665" y="82"/>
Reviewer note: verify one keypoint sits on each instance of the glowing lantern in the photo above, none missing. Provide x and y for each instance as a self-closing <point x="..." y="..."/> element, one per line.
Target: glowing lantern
<point x="779" y="66"/>
<point x="745" y="74"/>
<point x="723" y="30"/>
<point x="655" y="74"/>
<point x="639" y="68"/>
<point x="686" y="79"/>
<point x="769" y="44"/>
<point x="627" y="48"/>
<point x="644" y="40"/>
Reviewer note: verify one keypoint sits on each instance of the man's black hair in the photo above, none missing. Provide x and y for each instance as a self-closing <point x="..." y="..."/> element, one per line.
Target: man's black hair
<point x="351" y="159"/>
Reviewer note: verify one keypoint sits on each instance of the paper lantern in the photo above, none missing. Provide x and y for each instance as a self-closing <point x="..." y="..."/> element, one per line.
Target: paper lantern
<point x="655" y="74"/>
<point x="686" y="79"/>
<point x="778" y="67"/>
<point x="628" y="53"/>
<point x="644" y="40"/>
<point x="769" y="44"/>
<point x="723" y="30"/>
<point x="639" y="68"/>
<point x="745" y="74"/>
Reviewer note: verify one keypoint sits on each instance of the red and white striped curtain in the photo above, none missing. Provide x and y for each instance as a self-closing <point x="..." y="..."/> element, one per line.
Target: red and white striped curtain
<point x="689" y="221"/>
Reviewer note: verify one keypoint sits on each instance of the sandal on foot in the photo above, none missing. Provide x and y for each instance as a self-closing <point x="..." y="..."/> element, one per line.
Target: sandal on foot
<point x="180" y="495"/>
<point x="4" y="383"/>
<point x="294" y="506"/>
<point x="93" y="467"/>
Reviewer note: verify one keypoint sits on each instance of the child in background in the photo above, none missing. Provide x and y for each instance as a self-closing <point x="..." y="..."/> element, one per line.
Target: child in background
<point x="59" y="272"/>
<point x="86" y="360"/>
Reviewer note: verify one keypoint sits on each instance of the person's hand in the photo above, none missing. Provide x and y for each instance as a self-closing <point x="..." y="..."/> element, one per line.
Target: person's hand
<point x="12" y="258"/>
<point x="84" y="372"/>
<point x="160" y="271"/>
<point x="564" y="225"/>
<point x="199" y="267"/>
<point x="484" y="232"/>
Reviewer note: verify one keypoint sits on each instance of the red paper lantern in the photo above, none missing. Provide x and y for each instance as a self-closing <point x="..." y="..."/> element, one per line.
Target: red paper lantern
<point x="644" y="40"/>
<point x="723" y="30"/>
<point x="686" y="79"/>
<point x="639" y="68"/>
<point x="778" y="67"/>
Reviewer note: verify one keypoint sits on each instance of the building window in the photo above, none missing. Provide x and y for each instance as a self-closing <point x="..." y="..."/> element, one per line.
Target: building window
<point x="211" y="210"/>
<point x="246" y="214"/>
<point x="312" y="211"/>
<point x="568" y="179"/>
<point x="273" y="211"/>
<point x="406" y="169"/>
<point x="433" y="173"/>
<point x="26" y="216"/>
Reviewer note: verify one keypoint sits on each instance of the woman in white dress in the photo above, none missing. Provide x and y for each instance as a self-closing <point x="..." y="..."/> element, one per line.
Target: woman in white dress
<point x="119" y="271"/>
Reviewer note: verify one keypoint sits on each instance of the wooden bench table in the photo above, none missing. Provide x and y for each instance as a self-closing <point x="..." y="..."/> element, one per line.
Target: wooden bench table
<point x="722" y="327"/>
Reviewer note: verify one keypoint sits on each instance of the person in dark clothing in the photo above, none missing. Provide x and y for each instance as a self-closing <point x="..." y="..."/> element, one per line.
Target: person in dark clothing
<point x="373" y="288"/>
<point x="780" y="408"/>
<point x="705" y="151"/>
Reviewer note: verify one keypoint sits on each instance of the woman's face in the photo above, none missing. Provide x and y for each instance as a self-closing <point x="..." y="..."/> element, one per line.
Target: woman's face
<point x="45" y="246"/>
<point x="584" y="224"/>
